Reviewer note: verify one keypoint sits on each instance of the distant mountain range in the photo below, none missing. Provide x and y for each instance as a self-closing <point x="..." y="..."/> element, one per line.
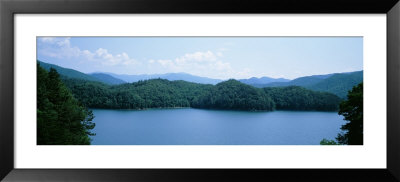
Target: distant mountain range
<point x="258" y="82"/>
<point x="337" y="83"/>
<point x="168" y="76"/>
<point x="192" y="78"/>
<point x="107" y="78"/>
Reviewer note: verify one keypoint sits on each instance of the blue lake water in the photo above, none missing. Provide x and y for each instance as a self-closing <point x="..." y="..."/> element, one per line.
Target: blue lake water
<point x="210" y="127"/>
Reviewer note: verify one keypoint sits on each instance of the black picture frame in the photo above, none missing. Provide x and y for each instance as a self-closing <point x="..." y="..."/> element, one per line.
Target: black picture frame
<point x="8" y="8"/>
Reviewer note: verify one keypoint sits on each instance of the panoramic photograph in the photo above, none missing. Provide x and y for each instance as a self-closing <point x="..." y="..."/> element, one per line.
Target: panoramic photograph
<point x="199" y="90"/>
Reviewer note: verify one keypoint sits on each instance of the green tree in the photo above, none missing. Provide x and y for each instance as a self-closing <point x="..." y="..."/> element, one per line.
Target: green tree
<point x="231" y="94"/>
<point x="352" y="110"/>
<point x="61" y="119"/>
<point x="299" y="98"/>
<point x="234" y="95"/>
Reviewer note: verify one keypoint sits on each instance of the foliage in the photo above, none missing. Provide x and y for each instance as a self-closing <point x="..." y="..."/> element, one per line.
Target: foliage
<point x="299" y="98"/>
<point x="160" y="93"/>
<point x="61" y="120"/>
<point x="233" y="94"/>
<point x="327" y="142"/>
<point x="352" y="110"/>
<point x="156" y="93"/>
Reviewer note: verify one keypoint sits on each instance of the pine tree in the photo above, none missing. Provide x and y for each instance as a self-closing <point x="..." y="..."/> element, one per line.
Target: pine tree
<point x="352" y="110"/>
<point x="61" y="119"/>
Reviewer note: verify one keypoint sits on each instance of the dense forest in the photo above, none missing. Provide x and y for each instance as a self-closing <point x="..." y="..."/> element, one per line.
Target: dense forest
<point x="61" y="119"/>
<point x="337" y="83"/>
<point x="233" y="94"/>
<point x="156" y="93"/>
<point x="299" y="98"/>
<point x="229" y="95"/>
<point x="111" y="93"/>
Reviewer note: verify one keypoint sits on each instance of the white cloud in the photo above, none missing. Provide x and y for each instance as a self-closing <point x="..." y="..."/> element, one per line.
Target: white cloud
<point x="207" y="56"/>
<point x="202" y="63"/>
<point x="205" y="63"/>
<point x="89" y="55"/>
<point x="110" y="59"/>
<point x="57" y="47"/>
<point x="62" y="48"/>
<point x="64" y="42"/>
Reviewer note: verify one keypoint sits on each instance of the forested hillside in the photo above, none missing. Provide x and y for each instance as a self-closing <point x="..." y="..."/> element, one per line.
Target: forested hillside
<point x="66" y="73"/>
<point x="339" y="84"/>
<point x="109" y="93"/>
<point x="232" y="94"/>
<point x="156" y="93"/>
<point x="299" y="98"/>
<point x="161" y="93"/>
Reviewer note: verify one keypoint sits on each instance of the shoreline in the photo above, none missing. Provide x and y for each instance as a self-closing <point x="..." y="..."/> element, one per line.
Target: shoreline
<point x="173" y="108"/>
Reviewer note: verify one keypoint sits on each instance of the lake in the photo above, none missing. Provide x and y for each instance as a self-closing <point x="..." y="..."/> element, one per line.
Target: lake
<point x="189" y="126"/>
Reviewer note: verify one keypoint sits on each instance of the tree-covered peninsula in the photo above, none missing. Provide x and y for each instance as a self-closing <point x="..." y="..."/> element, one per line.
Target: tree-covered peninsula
<point x="227" y="95"/>
<point x="234" y="95"/>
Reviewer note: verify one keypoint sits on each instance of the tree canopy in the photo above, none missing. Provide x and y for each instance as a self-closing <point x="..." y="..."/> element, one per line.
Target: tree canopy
<point x="352" y="110"/>
<point x="233" y="94"/>
<point x="299" y="98"/>
<point x="228" y="95"/>
<point x="61" y="119"/>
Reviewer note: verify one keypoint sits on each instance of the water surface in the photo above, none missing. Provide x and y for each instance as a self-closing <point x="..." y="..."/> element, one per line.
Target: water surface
<point x="213" y="127"/>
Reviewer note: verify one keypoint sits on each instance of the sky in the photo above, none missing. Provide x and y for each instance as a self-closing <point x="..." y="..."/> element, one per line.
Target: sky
<point x="213" y="57"/>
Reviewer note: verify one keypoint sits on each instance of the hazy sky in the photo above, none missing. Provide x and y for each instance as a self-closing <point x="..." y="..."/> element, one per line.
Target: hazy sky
<point x="214" y="57"/>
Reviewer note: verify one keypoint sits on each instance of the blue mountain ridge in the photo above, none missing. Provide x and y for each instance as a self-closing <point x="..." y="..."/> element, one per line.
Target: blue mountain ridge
<point x="168" y="76"/>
